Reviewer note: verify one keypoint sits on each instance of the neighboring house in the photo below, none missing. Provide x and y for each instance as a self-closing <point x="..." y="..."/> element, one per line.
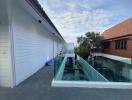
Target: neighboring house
<point x="118" y="39"/>
<point x="28" y="39"/>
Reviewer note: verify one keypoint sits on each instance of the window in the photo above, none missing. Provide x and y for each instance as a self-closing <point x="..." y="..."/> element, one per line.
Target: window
<point x="121" y="44"/>
<point x="107" y="45"/>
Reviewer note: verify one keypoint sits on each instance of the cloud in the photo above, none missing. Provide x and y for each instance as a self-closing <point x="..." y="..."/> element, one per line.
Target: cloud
<point x="71" y="38"/>
<point x="76" y="17"/>
<point x="80" y="23"/>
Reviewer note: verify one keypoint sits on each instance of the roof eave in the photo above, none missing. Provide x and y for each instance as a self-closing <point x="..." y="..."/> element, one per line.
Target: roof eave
<point x="36" y="4"/>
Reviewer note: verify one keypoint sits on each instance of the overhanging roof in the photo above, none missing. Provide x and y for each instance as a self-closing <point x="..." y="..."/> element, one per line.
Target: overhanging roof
<point x="120" y="30"/>
<point x="40" y="10"/>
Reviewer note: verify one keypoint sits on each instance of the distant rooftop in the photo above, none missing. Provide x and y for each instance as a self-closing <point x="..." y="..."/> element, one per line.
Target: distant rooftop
<point x="119" y="30"/>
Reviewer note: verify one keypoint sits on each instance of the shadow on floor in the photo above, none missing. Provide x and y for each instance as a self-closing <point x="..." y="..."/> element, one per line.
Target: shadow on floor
<point x="38" y="87"/>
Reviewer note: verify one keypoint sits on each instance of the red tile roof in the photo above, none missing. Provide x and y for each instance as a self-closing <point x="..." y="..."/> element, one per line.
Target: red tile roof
<point x="122" y="29"/>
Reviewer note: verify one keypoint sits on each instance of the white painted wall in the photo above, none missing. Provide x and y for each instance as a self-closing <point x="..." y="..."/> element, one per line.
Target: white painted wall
<point x="55" y="48"/>
<point x="59" y="48"/>
<point x="5" y="62"/>
<point x="5" y="74"/>
<point x="33" y="45"/>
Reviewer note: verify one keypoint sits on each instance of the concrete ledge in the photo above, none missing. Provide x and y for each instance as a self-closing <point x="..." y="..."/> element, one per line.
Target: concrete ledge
<point x="89" y="84"/>
<point x="114" y="57"/>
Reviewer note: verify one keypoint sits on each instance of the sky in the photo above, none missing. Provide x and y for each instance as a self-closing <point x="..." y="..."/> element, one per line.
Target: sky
<point x="74" y="18"/>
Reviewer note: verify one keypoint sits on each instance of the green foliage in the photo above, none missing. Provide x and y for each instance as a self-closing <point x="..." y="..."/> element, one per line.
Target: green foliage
<point x="91" y="42"/>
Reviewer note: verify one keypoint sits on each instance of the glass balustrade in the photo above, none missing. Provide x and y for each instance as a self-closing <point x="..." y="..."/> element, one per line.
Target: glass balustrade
<point x="71" y="69"/>
<point x="113" y="70"/>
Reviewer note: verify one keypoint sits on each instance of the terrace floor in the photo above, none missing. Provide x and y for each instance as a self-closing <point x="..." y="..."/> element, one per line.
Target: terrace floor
<point x="38" y="87"/>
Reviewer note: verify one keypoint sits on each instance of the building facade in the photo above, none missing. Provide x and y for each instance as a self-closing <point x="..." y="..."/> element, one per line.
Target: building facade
<point x="28" y="39"/>
<point x="118" y="39"/>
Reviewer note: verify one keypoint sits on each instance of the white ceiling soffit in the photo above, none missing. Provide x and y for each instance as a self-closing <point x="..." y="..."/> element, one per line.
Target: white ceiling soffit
<point x="36" y="15"/>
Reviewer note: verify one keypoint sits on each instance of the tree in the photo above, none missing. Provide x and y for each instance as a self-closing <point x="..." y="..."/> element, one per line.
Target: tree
<point x="91" y="42"/>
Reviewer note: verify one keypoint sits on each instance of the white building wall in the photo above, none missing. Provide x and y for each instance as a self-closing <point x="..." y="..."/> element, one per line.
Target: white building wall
<point x="5" y="62"/>
<point x="55" y="48"/>
<point x="33" y="45"/>
<point x="60" y="47"/>
<point x="5" y="74"/>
